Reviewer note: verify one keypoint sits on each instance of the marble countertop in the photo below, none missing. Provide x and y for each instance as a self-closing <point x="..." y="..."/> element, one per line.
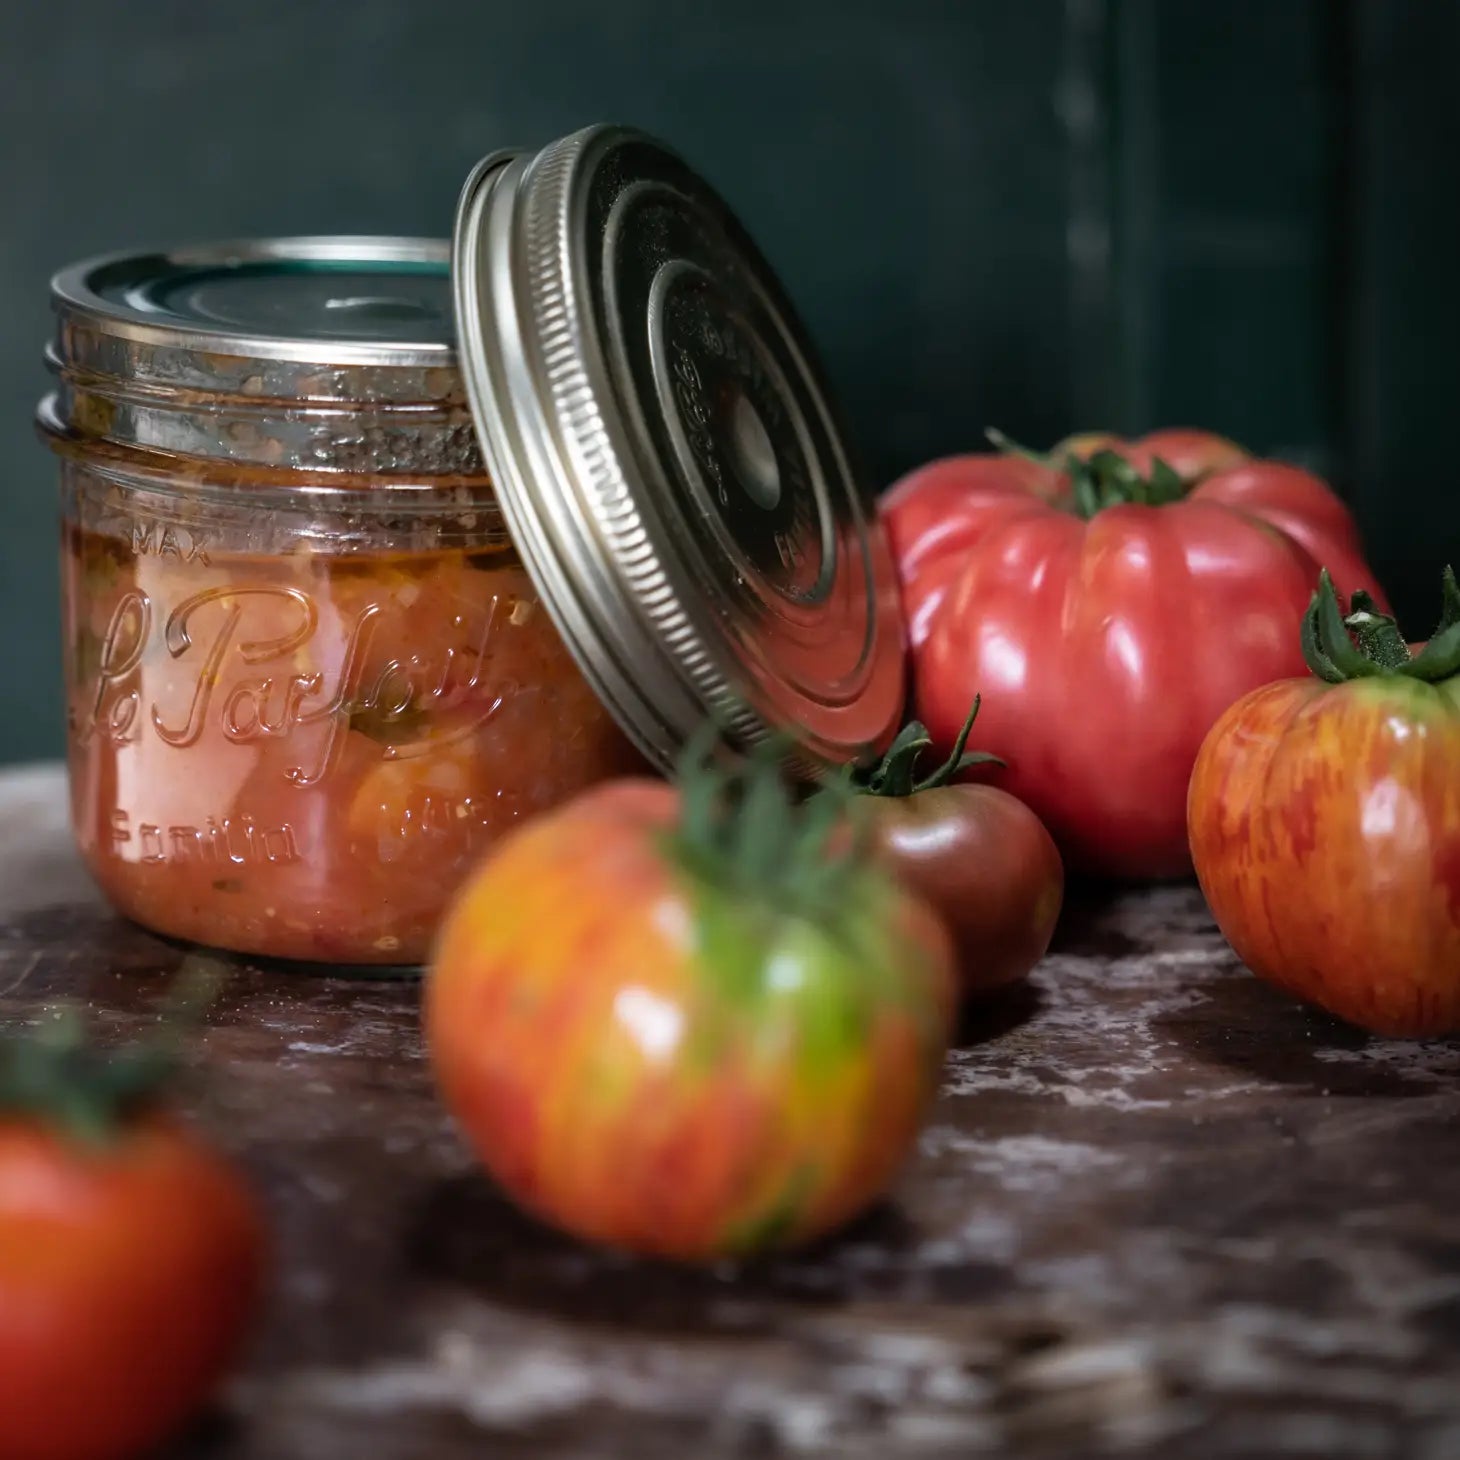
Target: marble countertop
<point x="1159" y="1210"/>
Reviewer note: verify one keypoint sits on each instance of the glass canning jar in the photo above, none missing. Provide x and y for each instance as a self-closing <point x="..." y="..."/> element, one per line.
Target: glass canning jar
<point x="308" y="681"/>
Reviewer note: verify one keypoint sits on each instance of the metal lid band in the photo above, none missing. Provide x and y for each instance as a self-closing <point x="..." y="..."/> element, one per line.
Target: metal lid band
<point x="666" y="454"/>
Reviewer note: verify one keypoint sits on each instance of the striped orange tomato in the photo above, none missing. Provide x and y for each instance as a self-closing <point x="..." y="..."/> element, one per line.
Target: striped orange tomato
<point x="1324" y="816"/>
<point x="688" y="1031"/>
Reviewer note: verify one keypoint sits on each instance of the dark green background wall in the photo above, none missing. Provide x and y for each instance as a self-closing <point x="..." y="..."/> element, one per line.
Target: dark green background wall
<point x="1037" y="213"/>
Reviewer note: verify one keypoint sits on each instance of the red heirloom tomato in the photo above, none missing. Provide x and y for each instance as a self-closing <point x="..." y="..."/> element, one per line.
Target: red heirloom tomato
<point x="979" y="856"/>
<point x="679" y="1025"/>
<point x="1107" y="635"/>
<point x="130" y="1259"/>
<point x="1325" y="822"/>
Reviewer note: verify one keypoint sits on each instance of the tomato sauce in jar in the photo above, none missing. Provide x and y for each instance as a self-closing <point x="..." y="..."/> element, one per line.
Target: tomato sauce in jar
<point x="309" y="682"/>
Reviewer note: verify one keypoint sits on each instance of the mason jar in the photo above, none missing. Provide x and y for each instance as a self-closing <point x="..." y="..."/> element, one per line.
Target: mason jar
<point x="308" y="681"/>
<point x="375" y="548"/>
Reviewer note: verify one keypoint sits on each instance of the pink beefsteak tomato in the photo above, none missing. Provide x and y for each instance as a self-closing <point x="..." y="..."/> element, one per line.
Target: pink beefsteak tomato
<point x="1109" y="625"/>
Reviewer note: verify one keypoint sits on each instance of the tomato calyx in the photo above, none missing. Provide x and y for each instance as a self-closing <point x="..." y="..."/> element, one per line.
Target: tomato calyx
<point x="57" y="1075"/>
<point x="88" y="1094"/>
<point x="1105" y="478"/>
<point x="741" y="827"/>
<point x="896" y="773"/>
<point x="1366" y="643"/>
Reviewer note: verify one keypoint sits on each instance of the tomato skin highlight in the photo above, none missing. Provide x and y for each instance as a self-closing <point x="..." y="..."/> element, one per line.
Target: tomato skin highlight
<point x="128" y="1274"/>
<point x="659" y="1065"/>
<point x="1106" y="648"/>
<point x="1325" y="830"/>
<point x="985" y="861"/>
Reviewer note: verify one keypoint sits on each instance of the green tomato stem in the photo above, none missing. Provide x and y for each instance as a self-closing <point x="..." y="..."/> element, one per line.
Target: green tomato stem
<point x="1332" y="653"/>
<point x="1377" y="633"/>
<point x="1439" y="659"/>
<point x="896" y="775"/>
<point x="1007" y="446"/>
<point x="742" y="827"/>
<point x="1107" y="479"/>
<point x="57" y="1076"/>
<point x="1449" y="603"/>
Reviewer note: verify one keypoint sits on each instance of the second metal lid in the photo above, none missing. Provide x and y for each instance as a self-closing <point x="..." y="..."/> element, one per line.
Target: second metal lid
<point x="665" y="452"/>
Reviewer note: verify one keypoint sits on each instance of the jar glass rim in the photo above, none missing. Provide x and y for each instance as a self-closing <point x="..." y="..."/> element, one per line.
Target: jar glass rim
<point x="101" y="293"/>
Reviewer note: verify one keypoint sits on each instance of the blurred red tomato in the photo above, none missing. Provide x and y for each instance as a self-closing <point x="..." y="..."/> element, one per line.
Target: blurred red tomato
<point x="130" y="1263"/>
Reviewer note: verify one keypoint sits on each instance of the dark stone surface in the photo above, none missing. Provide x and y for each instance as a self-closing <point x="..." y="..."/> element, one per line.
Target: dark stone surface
<point x="1158" y="1211"/>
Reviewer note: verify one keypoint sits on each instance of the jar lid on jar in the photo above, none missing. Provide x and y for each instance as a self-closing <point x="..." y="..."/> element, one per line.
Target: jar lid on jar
<point x="657" y="431"/>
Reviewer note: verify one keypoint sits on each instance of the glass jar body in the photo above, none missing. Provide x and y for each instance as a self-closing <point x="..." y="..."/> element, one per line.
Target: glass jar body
<point x="298" y="717"/>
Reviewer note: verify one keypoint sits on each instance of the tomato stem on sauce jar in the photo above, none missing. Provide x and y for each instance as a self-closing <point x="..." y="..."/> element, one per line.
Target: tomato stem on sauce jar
<point x="1367" y="643"/>
<point x="896" y="773"/>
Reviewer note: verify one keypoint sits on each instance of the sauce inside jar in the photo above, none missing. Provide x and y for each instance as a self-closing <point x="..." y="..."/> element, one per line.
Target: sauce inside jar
<point x="309" y="682"/>
<point x="301" y="756"/>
